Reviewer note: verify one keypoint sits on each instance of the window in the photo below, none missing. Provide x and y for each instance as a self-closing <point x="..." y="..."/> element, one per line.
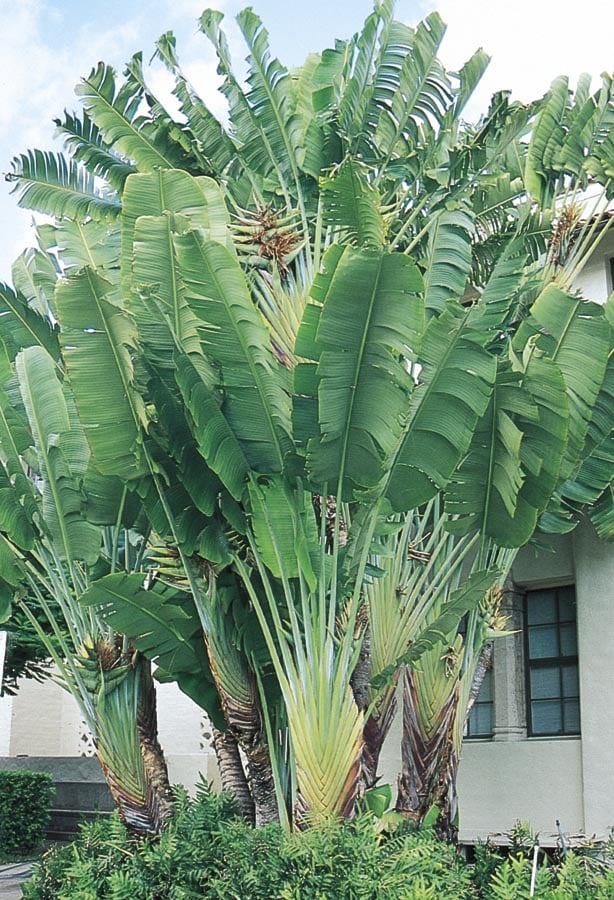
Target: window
<point x="553" y="705"/>
<point x="481" y="718"/>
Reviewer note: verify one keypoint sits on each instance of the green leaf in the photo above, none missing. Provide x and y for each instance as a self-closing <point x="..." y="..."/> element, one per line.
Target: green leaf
<point x="285" y="529"/>
<point x="51" y="184"/>
<point x="198" y="199"/>
<point x="513" y="463"/>
<point x="21" y="326"/>
<point x="216" y="441"/>
<point x="123" y="129"/>
<point x="411" y="88"/>
<point x="453" y="393"/>
<point x="575" y="335"/>
<point x="448" y="259"/>
<point x="359" y="86"/>
<point x="351" y="205"/>
<point x="87" y="146"/>
<point x="232" y="335"/>
<point x="97" y="341"/>
<point x="163" y="625"/>
<point x="378" y="799"/>
<point x="50" y="423"/>
<point x="547" y="133"/>
<point x="19" y="499"/>
<point x="369" y="324"/>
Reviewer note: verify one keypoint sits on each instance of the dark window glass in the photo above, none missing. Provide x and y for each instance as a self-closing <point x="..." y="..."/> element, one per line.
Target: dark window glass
<point x="552" y="662"/>
<point x="482" y="716"/>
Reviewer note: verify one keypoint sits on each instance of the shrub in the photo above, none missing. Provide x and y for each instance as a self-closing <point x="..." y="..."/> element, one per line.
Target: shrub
<point x="25" y="800"/>
<point x="208" y="852"/>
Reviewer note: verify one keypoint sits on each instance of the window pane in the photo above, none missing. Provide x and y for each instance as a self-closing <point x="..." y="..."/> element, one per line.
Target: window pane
<point x="480" y="720"/>
<point x="567" y="604"/>
<point x="572" y="716"/>
<point x="546" y="716"/>
<point x="546" y="683"/>
<point x="570" y="681"/>
<point x="569" y="643"/>
<point x="543" y="641"/>
<point x="552" y="664"/>
<point x="541" y="607"/>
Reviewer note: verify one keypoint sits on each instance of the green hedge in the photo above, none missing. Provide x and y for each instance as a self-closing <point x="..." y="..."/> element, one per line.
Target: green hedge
<point x="25" y="800"/>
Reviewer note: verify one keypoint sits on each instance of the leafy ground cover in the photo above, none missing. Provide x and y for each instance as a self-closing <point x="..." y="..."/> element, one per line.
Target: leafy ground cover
<point x="207" y="851"/>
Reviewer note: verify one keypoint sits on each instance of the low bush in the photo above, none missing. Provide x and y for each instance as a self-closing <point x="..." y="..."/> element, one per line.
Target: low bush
<point x="25" y="801"/>
<point x="208" y="852"/>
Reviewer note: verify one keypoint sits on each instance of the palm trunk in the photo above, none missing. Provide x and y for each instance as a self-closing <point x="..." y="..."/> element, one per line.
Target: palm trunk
<point x="144" y="798"/>
<point x="377" y="725"/>
<point x="159" y="792"/>
<point x="232" y="773"/>
<point x="375" y="732"/>
<point x="429" y="762"/>
<point x="262" y="784"/>
<point x="244" y="717"/>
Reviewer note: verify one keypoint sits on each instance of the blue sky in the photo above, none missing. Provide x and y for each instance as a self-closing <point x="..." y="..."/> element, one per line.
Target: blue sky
<point x="48" y="45"/>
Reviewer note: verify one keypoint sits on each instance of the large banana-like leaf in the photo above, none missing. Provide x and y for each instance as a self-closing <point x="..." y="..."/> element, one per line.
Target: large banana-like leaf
<point x="35" y="275"/>
<point x="576" y="336"/>
<point x="87" y="146"/>
<point x="285" y="529"/>
<point x="161" y="624"/>
<point x="366" y="322"/>
<point x="97" y="340"/>
<point x="270" y="98"/>
<point x="501" y="291"/>
<point x="456" y="382"/>
<point x="359" y="86"/>
<point x="569" y="137"/>
<point x="448" y="257"/>
<point x="514" y="459"/>
<point x="601" y="514"/>
<point x="157" y="302"/>
<point x="50" y="184"/>
<point x="217" y="443"/>
<point x="117" y="116"/>
<point x="18" y="496"/>
<point x="255" y="127"/>
<point x="22" y="327"/>
<point x="91" y="243"/>
<point x="233" y="336"/>
<point x="178" y="440"/>
<point x="410" y="86"/>
<point x="592" y="474"/>
<point x="163" y="191"/>
<point x="352" y="206"/>
<point x="214" y="142"/>
<point x="50" y="424"/>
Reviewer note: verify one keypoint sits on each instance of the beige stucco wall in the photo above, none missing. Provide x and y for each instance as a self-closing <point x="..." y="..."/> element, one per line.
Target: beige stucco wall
<point x="595" y="589"/>
<point x="538" y="781"/>
<point x="570" y="779"/>
<point x="594" y="280"/>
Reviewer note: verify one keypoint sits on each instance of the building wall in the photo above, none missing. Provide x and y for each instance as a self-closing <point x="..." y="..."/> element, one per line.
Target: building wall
<point x="543" y="780"/>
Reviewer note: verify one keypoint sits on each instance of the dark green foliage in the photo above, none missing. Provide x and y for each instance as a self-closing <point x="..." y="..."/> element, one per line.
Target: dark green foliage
<point x="207" y="851"/>
<point x="25" y="799"/>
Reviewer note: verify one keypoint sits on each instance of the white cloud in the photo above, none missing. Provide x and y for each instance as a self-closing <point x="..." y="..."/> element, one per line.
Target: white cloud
<point x="530" y="41"/>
